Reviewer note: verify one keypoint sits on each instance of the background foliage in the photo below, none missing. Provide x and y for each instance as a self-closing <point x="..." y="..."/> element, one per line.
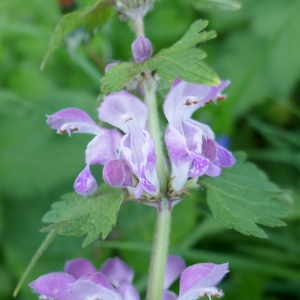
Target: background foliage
<point x="257" y="48"/>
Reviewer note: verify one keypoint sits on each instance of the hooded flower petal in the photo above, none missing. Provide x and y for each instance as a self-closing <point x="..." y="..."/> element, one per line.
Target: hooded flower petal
<point x="130" y="114"/>
<point x="200" y="280"/>
<point x="117" y="271"/>
<point x="141" y="49"/>
<point x="85" y="184"/>
<point x="73" y="120"/>
<point x="183" y="99"/>
<point x="174" y="267"/>
<point x="54" y="285"/>
<point x="92" y="287"/>
<point x="215" y="92"/>
<point x="79" y="267"/>
<point x="118" y="108"/>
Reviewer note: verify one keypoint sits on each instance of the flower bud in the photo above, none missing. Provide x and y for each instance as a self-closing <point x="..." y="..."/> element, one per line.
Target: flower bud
<point x="117" y="173"/>
<point x="141" y="49"/>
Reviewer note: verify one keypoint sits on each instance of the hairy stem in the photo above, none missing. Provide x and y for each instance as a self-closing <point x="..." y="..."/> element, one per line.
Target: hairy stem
<point x="139" y="26"/>
<point x="148" y="87"/>
<point x="160" y="251"/>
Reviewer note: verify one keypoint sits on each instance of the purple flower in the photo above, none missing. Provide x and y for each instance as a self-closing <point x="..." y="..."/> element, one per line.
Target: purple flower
<point x="81" y="280"/>
<point x="141" y="49"/>
<point x="130" y="114"/>
<point x="200" y="280"/>
<point x="196" y="281"/>
<point x="102" y="149"/>
<point x="191" y="145"/>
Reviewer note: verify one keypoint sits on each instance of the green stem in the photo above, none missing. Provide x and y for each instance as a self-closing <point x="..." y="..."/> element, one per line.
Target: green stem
<point x="50" y="237"/>
<point x="160" y="251"/>
<point x="149" y="86"/>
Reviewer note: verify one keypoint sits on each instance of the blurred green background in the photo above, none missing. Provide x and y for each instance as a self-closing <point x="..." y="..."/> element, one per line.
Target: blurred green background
<point x="257" y="48"/>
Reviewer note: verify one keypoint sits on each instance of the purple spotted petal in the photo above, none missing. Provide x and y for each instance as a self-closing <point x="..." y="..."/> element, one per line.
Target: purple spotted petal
<point x="168" y="295"/>
<point x="101" y="149"/>
<point x="201" y="276"/>
<point x="117" y="271"/>
<point x="85" y="184"/>
<point x="73" y="120"/>
<point x="200" y="165"/>
<point x="128" y="291"/>
<point x="54" y="285"/>
<point x="174" y="267"/>
<point x="225" y="159"/>
<point x="94" y="286"/>
<point x="79" y="267"/>
<point x="141" y="49"/>
<point x="180" y="159"/>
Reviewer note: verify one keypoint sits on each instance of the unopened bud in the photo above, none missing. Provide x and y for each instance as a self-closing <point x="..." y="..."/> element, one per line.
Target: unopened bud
<point x="117" y="173"/>
<point x="141" y="49"/>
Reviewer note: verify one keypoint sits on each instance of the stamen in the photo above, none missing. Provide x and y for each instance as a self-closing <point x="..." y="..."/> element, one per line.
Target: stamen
<point x="125" y="118"/>
<point x="210" y="101"/>
<point x="221" y="98"/>
<point x="187" y="102"/>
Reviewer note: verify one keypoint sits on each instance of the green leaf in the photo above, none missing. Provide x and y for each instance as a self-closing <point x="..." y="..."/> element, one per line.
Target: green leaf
<point x="118" y="75"/>
<point x="243" y="197"/>
<point x="180" y="60"/>
<point x="92" y="216"/>
<point x="215" y="4"/>
<point x="90" y="18"/>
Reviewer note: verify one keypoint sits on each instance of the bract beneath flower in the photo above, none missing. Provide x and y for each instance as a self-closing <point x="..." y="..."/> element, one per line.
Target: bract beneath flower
<point x="128" y="113"/>
<point x="191" y="145"/>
